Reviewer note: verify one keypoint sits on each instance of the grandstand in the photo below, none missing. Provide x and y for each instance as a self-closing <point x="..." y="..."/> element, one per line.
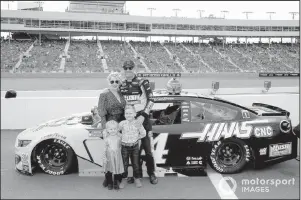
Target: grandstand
<point x="50" y="46"/>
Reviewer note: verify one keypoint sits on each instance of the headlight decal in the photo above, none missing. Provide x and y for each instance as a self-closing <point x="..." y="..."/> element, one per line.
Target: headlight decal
<point x="23" y="143"/>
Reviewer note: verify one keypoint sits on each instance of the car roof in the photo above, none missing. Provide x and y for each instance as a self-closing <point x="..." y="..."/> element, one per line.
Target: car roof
<point x="163" y="92"/>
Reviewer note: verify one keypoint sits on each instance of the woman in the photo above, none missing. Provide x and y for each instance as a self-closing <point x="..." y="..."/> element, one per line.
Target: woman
<point x="111" y="103"/>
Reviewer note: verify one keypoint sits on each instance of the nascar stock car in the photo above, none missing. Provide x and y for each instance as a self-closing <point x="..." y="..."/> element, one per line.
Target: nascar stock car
<point x="190" y="131"/>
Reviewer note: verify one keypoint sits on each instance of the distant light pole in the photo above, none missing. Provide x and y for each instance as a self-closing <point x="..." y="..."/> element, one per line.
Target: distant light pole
<point x="151" y="10"/>
<point x="200" y="11"/>
<point x="40" y="3"/>
<point x="225" y="11"/>
<point x="270" y="13"/>
<point x="9" y="32"/>
<point x="247" y="13"/>
<point x="176" y="11"/>
<point x="293" y="14"/>
<point x="8" y="4"/>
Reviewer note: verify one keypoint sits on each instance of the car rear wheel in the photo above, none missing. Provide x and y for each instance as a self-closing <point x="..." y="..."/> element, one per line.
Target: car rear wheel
<point x="229" y="156"/>
<point x="55" y="157"/>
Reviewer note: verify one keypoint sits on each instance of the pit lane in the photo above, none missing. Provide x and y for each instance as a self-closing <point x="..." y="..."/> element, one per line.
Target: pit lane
<point x="15" y="185"/>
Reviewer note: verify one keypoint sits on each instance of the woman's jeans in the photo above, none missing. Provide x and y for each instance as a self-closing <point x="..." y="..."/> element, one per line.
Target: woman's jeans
<point x="130" y="152"/>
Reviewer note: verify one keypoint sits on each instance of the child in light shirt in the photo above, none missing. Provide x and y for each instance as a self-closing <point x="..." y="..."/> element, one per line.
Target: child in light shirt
<point x="132" y="131"/>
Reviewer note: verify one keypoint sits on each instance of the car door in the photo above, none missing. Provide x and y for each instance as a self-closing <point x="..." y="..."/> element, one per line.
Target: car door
<point x="170" y="119"/>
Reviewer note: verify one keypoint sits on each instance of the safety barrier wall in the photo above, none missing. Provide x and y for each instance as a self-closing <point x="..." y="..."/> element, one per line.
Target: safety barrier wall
<point x="33" y="107"/>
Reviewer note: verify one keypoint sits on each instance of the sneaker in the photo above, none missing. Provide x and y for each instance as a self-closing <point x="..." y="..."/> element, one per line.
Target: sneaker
<point x="138" y="183"/>
<point x="110" y="186"/>
<point x="153" y="179"/>
<point x="122" y="184"/>
<point x="130" y="180"/>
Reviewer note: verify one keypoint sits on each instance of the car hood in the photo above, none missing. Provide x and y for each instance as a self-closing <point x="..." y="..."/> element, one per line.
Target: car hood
<point x="60" y="122"/>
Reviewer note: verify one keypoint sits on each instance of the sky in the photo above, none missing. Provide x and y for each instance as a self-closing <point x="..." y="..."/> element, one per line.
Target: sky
<point x="189" y="8"/>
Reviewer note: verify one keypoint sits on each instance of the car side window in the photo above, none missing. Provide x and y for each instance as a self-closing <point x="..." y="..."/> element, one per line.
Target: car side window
<point x="166" y="113"/>
<point x="210" y="111"/>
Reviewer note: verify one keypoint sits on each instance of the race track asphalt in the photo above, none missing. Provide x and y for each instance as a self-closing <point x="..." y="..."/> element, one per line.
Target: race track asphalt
<point x="15" y="185"/>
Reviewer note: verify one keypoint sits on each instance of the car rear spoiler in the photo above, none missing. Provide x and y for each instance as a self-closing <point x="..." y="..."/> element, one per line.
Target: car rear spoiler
<point x="280" y="111"/>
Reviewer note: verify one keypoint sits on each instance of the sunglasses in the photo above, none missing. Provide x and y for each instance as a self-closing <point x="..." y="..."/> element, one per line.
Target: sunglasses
<point x="117" y="82"/>
<point x="128" y="68"/>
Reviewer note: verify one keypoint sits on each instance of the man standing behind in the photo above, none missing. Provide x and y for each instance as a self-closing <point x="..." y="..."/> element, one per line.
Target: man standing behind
<point x="137" y="92"/>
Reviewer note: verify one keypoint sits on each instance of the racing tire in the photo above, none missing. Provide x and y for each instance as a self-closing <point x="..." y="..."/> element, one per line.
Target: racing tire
<point x="229" y="156"/>
<point x="55" y="157"/>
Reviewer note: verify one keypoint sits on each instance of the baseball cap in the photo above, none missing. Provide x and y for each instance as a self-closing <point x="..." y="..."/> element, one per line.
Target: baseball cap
<point x="128" y="63"/>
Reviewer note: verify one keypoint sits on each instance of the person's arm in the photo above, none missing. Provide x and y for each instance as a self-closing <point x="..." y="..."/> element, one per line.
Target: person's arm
<point x="146" y="89"/>
<point x="102" y="111"/>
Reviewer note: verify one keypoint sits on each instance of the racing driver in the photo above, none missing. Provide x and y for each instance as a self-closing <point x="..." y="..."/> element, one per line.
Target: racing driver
<point x="137" y="92"/>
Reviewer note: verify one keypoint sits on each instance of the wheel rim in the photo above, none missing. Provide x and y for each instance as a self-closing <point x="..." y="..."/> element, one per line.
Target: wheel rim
<point x="55" y="155"/>
<point x="230" y="154"/>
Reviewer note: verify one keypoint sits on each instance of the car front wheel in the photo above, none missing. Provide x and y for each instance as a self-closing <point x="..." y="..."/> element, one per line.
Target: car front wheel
<point x="55" y="157"/>
<point x="229" y="156"/>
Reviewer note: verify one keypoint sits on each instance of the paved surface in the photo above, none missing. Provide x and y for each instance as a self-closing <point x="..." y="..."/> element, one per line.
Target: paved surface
<point x="15" y="185"/>
<point x="82" y="83"/>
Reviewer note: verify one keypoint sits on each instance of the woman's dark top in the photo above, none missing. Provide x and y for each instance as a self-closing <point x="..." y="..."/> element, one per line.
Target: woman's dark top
<point x="109" y="108"/>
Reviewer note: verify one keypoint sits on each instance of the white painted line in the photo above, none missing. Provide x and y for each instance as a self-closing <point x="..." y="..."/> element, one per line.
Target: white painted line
<point x="226" y="192"/>
<point x="19" y="98"/>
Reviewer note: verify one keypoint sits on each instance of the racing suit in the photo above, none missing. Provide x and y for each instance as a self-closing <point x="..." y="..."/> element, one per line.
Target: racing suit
<point x="137" y="92"/>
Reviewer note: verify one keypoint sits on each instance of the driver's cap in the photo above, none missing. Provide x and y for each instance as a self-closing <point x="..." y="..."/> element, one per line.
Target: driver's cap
<point x="128" y="63"/>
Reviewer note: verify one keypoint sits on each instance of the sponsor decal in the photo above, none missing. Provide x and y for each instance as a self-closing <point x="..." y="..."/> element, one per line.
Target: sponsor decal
<point x="185" y="120"/>
<point x="184" y="103"/>
<point x="194" y="162"/>
<point x="281" y="149"/>
<point x="95" y="133"/>
<point x="185" y="115"/>
<point x="131" y="97"/>
<point x="25" y="158"/>
<point x="194" y="158"/>
<point x="62" y="143"/>
<point x="54" y="135"/>
<point x="214" y="132"/>
<point x="264" y="131"/>
<point x="183" y="107"/>
<point x="185" y="110"/>
<point x="285" y="126"/>
<point x="158" y="74"/>
<point x="263" y="151"/>
<point x="245" y="114"/>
